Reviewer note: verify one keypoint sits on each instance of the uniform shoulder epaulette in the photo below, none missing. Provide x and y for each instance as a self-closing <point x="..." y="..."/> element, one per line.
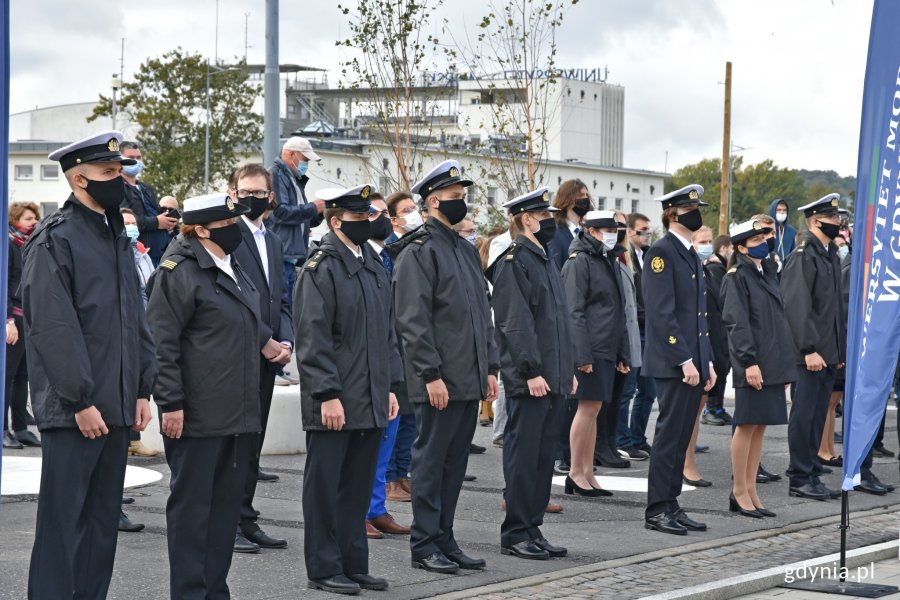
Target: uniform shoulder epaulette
<point x="171" y="262"/>
<point x="49" y="223"/>
<point x="574" y="253"/>
<point x="315" y="260"/>
<point x="511" y="251"/>
<point x="731" y="270"/>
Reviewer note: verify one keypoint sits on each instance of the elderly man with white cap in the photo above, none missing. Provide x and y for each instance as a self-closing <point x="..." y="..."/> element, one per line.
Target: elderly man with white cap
<point x="91" y="369"/>
<point x="293" y="215"/>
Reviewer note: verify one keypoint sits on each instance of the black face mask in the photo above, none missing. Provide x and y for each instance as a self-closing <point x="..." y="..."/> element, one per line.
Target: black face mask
<point x="831" y="230"/>
<point x="357" y="231"/>
<point x="256" y="205"/>
<point x="109" y="194"/>
<point x="771" y="244"/>
<point x="547" y="231"/>
<point x="691" y="220"/>
<point x="228" y="238"/>
<point x="581" y="207"/>
<point x="381" y="228"/>
<point x="455" y="210"/>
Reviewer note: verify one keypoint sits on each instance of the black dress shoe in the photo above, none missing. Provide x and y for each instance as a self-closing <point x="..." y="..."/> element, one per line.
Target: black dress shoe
<point x="834" y="461"/>
<point x="632" y="453"/>
<point x="127" y="500"/>
<point x="367" y="582"/>
<point x="262" y="540"/>
<point x="243" y="545"/>
<point x="807" y="491"/>
<point x="10" y="442"/>
<point x="697" y="482"/>
<point x="881" y="451"/>
<point x="468" y="477"/>
<point x="527" y="549"/>
<point x="591" y="492"/>
<point x="700" y="448"/>
<point x="665" y="523"/>
<point x="476" y="449"/>
<point x="436" y="563"/>
<point x="28" y="438"/>
<point x="771" y="476"/>
<point x="765" y="512"/>
<point x="125" y="524"/>
<point x="560" y="467"/>
<point x="465" y="561"/>
<point x="611" y="461"/>
<point x="263" y="476"/>
<point x="645" y="447"/>
<point x="688" y="523"/>
<point x="338" y="584"/>
<point x="871" y="487"/>
<point x="833" y="494"/>
<point x="735" y="507"/>
<point x="552" y="550"/>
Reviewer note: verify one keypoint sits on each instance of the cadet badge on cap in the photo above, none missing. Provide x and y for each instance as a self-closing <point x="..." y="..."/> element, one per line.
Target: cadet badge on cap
<point x="100" y="148"/>
<point x="201" y="210"/>
<point x="689" y="195"/>
<point x="823" y="206"/>
<point x="353" y="200"/>
<point x="445" y="174"/>
<point x="536" y="201"/>
<point x="742" y="232"/>
<point x="601" y="218"/>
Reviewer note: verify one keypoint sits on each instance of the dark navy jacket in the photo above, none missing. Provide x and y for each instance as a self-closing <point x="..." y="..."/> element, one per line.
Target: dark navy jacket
<point x="675" y="311"/>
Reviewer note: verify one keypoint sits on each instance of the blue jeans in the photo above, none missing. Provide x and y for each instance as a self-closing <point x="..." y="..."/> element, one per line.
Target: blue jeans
<point x="290" y="277"/>
<point x="623" y="433"/>
<point x="644" y="394"/>
<point x="385" y="450"/>
<point x="398" y="466"/>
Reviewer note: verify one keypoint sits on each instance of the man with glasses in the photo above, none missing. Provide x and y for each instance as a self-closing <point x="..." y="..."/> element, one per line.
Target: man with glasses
<point x="261" y="259"/>
<point x="811" y="286"/>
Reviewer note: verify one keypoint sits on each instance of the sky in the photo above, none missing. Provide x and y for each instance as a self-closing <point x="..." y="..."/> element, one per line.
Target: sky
<point x="798" y="65"/>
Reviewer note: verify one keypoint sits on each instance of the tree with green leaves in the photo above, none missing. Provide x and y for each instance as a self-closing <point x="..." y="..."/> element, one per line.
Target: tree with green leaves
<point x="167" y="99"/>
<point x="392" y="101"/>
<point x="757" y="185"/>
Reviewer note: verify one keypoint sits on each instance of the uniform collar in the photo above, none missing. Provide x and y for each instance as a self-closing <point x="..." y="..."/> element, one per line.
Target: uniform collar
<point x="523" y="241"/>
<point x="685" y="242"/>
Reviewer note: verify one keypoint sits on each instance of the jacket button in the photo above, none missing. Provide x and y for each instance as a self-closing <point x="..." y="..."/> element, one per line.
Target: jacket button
<point x="693" y="276"/>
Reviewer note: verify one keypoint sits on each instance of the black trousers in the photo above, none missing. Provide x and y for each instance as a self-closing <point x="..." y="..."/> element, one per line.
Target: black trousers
<point x="715" y="398"/>
<point x="78" y="514"/>
<point x="678" y="404"/>
<point x="266" y="387"/>
<point x="807" y="419"/>
<point x="566" y="416"/>
<point x="205" y="491"/>
<point x="16" y="383"/>
<point x="529" y="447"/>
<point x="337" y="486"/>
<point x="439" y="458"/>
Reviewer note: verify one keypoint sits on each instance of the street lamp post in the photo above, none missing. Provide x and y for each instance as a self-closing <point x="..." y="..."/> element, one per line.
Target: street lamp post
<point x="116" y="86"/>
<point x="209" y="69"/>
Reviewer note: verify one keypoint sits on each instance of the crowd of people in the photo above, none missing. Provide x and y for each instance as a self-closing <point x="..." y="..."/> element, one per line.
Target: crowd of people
<point x="409" y="329"/>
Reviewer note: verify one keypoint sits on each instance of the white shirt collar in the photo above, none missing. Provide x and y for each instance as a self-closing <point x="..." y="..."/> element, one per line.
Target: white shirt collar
<point x="223" y="264"/>
<point x="261" y="230"/>
<point x="687" y="243"/>
<point x="572" y="226"/>
<point x="376" y="247"/>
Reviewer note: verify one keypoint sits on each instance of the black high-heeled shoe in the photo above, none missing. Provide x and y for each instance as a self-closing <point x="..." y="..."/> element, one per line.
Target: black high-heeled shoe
<point x="603" y="493"/>
<point x="572" y="488"/>
<point x="764" y="511"/>
<point x="734" y="507"/>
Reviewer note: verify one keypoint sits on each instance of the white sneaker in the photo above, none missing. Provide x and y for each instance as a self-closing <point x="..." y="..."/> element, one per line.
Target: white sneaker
<point x="290" y="378"/>
<point x="281" y="380"/>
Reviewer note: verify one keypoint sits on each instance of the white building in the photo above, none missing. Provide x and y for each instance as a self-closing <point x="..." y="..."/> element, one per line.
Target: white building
<point x="585" y="140"/>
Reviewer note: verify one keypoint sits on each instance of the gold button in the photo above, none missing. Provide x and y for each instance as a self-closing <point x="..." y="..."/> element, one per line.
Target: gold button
<point x="706" y="314"/>
<point x="693" y="276"/>
<point x="707" y="334"/>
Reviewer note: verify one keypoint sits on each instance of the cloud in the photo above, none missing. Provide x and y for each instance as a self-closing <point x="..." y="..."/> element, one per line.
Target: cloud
<point x="798" y="66"/>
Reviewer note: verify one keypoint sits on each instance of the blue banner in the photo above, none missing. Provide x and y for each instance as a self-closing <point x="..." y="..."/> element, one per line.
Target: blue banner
<point x="4" y="183"/>
<point x="873" y="336"/>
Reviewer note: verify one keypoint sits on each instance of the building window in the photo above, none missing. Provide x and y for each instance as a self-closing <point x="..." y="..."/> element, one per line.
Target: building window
<point x="384" y="186"/>
<point x="618" y="203"/>
<point x="49" y="172"/>
<point x="601" y="203"/>
<point x="48" y="208"/>
<point x="634" y="205"/>
<point x="24" y="172"/>
<point x="492" y="196"/>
